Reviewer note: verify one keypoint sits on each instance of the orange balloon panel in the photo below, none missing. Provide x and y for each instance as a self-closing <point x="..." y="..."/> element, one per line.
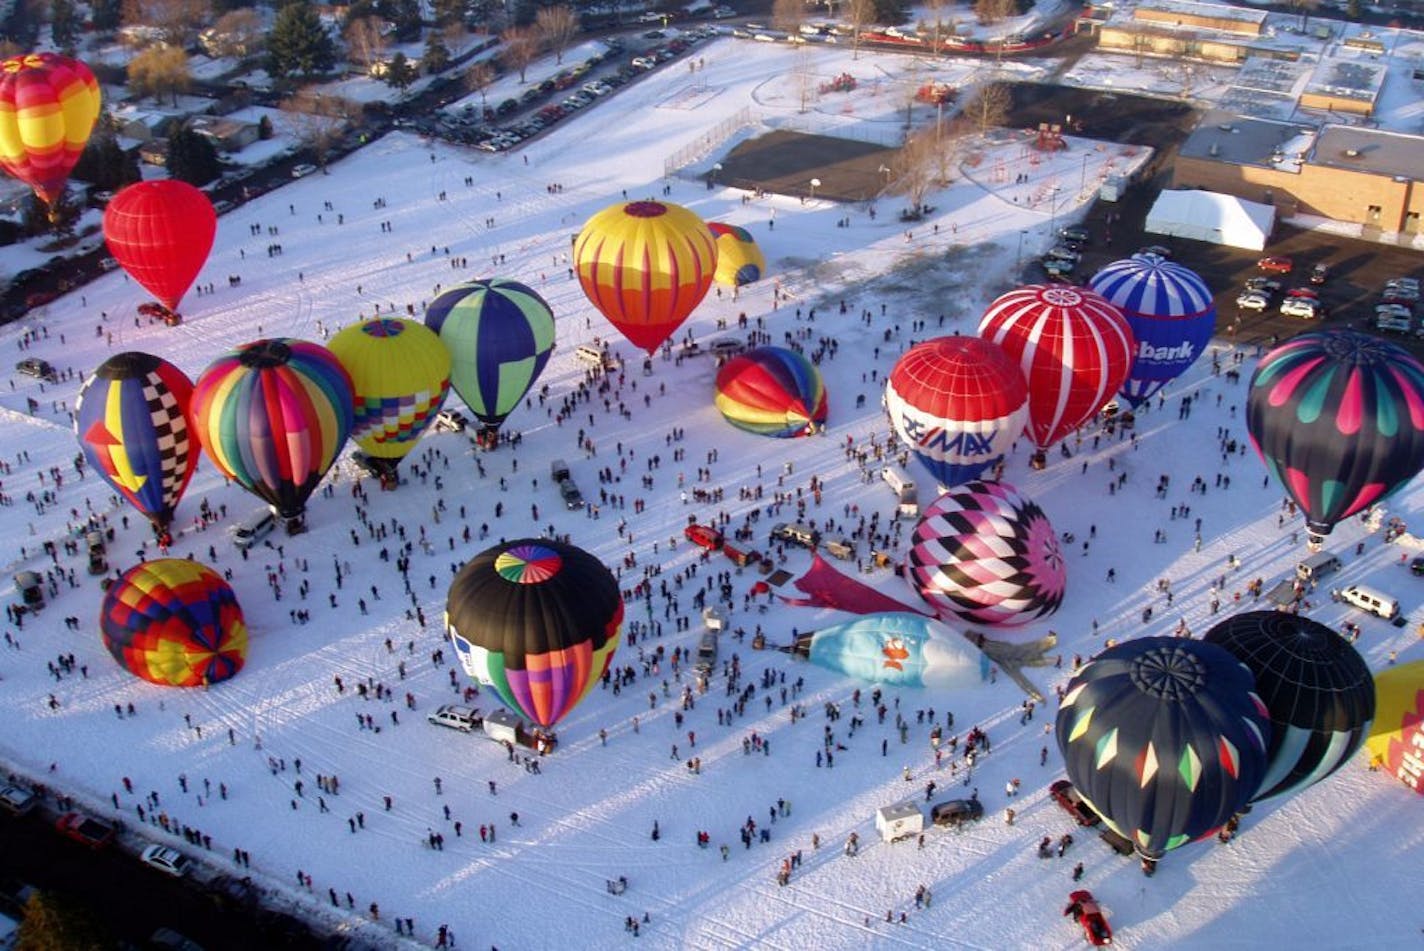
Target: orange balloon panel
<point x="645" y="265"/>
<point x="48" y="107"/>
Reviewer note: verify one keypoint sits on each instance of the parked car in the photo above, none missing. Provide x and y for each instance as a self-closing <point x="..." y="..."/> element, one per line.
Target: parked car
<point x="1075" y="233"/>
<point x="166" y="860"/>
<point x="1263" y="284"/>
<point x="303" y="170"/>
<point x="1084" y="909"/>
<point x="37" y="368"/>
<point x="1252" y="300"/>
<point x="1276" y="264"/>
<point x="233" y="893"/>
<point x="454" y="716"/>
<point x="170" y="940"/>
<point x="1302" y="307"/>
<point x="87" y="830"/>
<point x="1066" y="796"/>
<point x="1157" y="249"/>
<point x="17" y="800"/>
<point x="1319" y="274"/>
<point x="1416" y="567"/>
<point x="956" y="812"/>
<point x="703" y="536"/>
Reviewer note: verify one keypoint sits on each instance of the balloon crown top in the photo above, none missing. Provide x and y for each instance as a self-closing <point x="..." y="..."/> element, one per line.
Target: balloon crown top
<point x="645" y="209"/>
<point x="383" y="327"/>
<point x="25" y="61"/>
<point x="123" y="366"/>
<point x="263" y="354"/>
<point x="1169" y="673"/>
<point x="1060" y="295"/>
<point x="528" y="563"/>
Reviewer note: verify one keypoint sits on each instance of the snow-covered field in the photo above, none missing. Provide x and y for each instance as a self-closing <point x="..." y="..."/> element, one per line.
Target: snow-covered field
<point x="1336" y="866"/>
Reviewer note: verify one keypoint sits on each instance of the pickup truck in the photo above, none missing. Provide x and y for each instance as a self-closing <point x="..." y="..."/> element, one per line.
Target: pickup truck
<point x="86" y="829"/>
<point x="1066" y="796"/>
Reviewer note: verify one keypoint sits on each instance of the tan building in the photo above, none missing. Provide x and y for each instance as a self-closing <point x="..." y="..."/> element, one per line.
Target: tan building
<point x="1361" y="176"/>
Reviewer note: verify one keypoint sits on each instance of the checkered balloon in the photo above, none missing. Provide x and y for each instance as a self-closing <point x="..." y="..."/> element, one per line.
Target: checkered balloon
<point x="985" y="553"/>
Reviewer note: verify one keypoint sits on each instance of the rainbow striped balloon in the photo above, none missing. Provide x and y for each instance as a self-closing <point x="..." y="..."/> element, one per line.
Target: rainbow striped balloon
<point x="48" y="106"/>
<point x="772" y="391"/>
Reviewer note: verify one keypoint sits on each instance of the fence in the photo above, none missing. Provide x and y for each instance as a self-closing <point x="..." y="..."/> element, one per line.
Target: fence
<point x="706" y="143"/>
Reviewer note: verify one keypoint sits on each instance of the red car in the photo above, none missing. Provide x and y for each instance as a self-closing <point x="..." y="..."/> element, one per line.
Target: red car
<point x="1084" y="909"/>
<point x="703" y="535"/>
<point x="85" y="829"/>
<point x="1066" y="796"/>
<point x="1276" y="264"/>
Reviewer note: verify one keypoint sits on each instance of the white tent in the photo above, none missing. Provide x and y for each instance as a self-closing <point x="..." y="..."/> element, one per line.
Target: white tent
<point x="1209" y="216"/>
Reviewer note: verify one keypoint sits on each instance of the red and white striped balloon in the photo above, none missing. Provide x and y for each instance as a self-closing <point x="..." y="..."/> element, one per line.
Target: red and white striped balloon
<point x="1075" y="350"/>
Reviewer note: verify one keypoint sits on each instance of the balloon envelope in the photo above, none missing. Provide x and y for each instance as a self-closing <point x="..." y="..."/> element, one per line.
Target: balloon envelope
<point x="537" y="620"/>
<point x="772" y="391"/>
<point x="1170" y="311"/>
<point x="1338" y="416"/>
<point x="499" y="334"/>
<point x="739" y="260"/>
<point x="273" y="415"/>
<point x="1316" y="687"/>
<point x="161" y="232"/>
<point x="1165" y="738"/>
<point x="1074" y="348"/>
<point x="898" y="648"/>
<point x="48" y="106"/>
<point x="986" y="553"/>
<point x="645" y="265"/>
<point x="959" y="403"/>
<point x="134" y="426"/>
<point x="175" y="623"/>
<point x="1396" y="740"/>
<point x="400" y="375"/>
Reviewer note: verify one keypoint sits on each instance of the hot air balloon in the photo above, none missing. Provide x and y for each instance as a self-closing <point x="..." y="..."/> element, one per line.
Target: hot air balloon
<point x="1339" y="418"/>
<point x="400" y="373"/>
<point x="175" y="623"/>
<point x="645" y="265"/>
<point x="134" y="426"/>
<point x="959" y="403"/>
<point x="772" y="391"/>
<point x="1396" y="740"/>
<point x="899" y="649"/>
<point x="273" y="416"/>
<point x="48" y="106"/>
<point x="537" y="620"/>
<point x="1170" y="311"/>
<point x="739" y="260"/>
<point x="1074" y="348"/>
<point x="1165" y="738"/>
<point x="987" y="554"/>
<point x="161" y="232"/>
<point x="1316" y="687"/>
<point x="499" y="334"/>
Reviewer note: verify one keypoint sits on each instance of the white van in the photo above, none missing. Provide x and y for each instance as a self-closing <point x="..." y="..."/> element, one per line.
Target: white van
<point x="594" y="356"/>
<point x="905" y="491"/>
<point x="1317" y="566"/>
<point x="253" y="529"/>
<point x="1370" y="599"/>
<point x="455" y="716"/>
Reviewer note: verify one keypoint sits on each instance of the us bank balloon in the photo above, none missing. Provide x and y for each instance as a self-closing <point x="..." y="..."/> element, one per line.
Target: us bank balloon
<point x="897" y="648"/>
<point x="48" y="106"/>
<point x="1165" y="738"/>
<point x="772" y="391"/>
<point x="645" y="265"/>
<point x="161" y="232"/>
<point x="273" y="415"/>
<point x="1170" y="311"/>
<point x="1338" y="416"/>
<point x="134" y="426"/>
<point x="958" y="403"/>
<point x="1396" y="740"/>
<point x="538" y="621"/>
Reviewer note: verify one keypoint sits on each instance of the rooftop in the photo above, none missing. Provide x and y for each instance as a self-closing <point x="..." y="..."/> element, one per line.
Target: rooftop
<point x="1372" y="150"/>
<point x="1245" y="140"/>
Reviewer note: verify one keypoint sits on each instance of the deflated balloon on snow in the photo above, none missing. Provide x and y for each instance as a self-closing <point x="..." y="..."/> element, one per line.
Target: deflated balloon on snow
<point x="772" y="391"/>
<point x="898" y="648"/>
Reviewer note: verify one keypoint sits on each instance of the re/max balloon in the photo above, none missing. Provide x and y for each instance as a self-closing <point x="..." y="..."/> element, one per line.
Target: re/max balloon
<point x="400" y="374"/>
<point x="48" y="106"/>
<point x="899" y="649"/>
<point x="1338" y="416"/>
<point x="161" y="232"/>
<point x="958" y="403"/>
<point x="175" y="623"/>
<point x="1074" y="348"/>
<point x="1165" y="738"/>
<point x="537" y="620"/>
<point x="499" y="334"/>
<point x="1316" y="686"/>
<point x="645" y="265"/>
<point x="273" y="416"/>
<point x="1170" y="311"/>
<point x="134" y="425"/>
<point x="1396" y="740"/>
<point x="772" y="391"/>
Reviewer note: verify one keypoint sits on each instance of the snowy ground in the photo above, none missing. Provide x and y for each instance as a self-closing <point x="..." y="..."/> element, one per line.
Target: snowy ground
<point x="587" y="817"/>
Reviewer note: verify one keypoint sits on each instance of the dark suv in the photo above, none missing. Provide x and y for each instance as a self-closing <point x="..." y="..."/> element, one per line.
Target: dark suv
<point x="37" y="368"/>
<point x="956" y="812"/>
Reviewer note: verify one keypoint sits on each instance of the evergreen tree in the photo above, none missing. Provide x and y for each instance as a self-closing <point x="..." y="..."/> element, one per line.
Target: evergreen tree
<point x="299" y="43"/>
<point x="192" y="158"/>
<point x="889" y="11"/>
<point x="448" y="11"/>
<point x="64" y="24"/>
<point x="436" y="56"/>
<point x="104" y="164"/>
<point x="105" y="15"/>
<point x="400" y="73"/>
<point x="264" y="127"/>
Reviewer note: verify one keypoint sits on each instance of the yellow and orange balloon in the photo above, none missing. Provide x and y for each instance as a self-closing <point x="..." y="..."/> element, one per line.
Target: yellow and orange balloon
<point x="48" y="106"/>
<point x="645" y="265"/>
<point x="1396" y="738"/>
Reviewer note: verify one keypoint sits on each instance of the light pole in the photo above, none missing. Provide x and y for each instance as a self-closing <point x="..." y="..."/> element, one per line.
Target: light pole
<point x="1018" y="255"/>
<point x="716" y="173"/>
<point x="815" y="184"/>
<point x="885" y="170"/>
<point x="1083" y="184"/>
<point x="1053" y="215"/>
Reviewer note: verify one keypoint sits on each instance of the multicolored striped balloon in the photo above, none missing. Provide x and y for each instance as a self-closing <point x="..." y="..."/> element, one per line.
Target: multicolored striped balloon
<point x="1170" y="311"/>
<point x="134" y="426"/>
<point x="175" y="623"/>
<point x="772" y="391"/>
<point x="1338" y="416"/>
<point x="499" y="334"/>
<point x="538" y="620"/>
<point x="48" y="106"/>
<point x="400" y="373"/>
<point x="1075" y="350"/>
<point x="739" y="260"/>
<point x="645" y="265"/>
<point x="985" y="553"/>
<point x="273" y="416"/>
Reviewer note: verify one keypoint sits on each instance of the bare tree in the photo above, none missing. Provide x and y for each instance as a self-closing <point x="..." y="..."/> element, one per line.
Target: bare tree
<point x="366" y="41"/>
<point x="318" y="121"/>
<point x="935" y="6"/>
<point x="477" y="79"/>
<point x="989" y="107"/>
<point x="177" y="20"/>
<point x="239" y="32"/>
<point x="915" y="168"/>
<point x="990" y="12"/>
<point x="859" y="14"/>
<point x="788" y="15"/>
<point x="557" y="26"/>
<point x="521" y="45"/>
<point x="158" y="71"/>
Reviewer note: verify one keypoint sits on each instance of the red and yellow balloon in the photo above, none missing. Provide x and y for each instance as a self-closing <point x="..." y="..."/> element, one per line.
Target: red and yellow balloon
<point x="48" y="106"/>
<point x="645" y="265"/>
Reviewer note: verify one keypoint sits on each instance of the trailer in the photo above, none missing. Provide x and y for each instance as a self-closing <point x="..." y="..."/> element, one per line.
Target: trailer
<point x="899" y="821"/>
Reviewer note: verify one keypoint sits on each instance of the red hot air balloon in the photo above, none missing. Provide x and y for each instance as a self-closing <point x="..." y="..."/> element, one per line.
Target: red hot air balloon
<point x="48" y="106"/>
<point x="161" y="232"/>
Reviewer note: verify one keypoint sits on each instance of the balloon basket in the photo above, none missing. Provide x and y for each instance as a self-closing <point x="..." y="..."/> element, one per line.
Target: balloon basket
<point x="1038" y="461"/>
<point x="296" y="525"/>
